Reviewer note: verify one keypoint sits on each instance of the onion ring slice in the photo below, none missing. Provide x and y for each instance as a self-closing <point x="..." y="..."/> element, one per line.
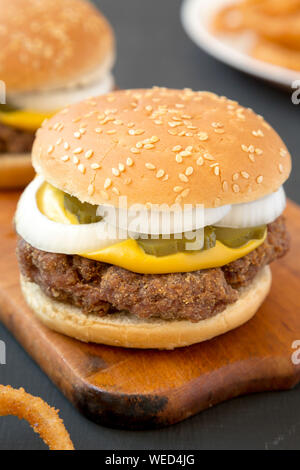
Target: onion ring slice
<point x="43" y="419"/>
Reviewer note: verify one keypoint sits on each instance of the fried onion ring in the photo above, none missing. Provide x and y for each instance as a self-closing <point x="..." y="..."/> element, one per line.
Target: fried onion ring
<point x="277" y="55"/>
<point x="228" y="20"/>
<point x="43" y="419"/>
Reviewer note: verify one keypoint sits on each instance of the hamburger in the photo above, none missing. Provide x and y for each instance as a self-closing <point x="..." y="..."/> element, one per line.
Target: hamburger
<point x="53" y="53"/>
<point x="90" y="276"/>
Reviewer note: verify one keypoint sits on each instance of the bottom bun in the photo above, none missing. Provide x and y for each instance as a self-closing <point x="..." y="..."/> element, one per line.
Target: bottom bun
<point x="125" y="330"/>
<point x="16" y="170"/>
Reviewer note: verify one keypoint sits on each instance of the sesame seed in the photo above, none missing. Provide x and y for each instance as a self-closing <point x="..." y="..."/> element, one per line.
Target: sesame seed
<point x="259" y="179"/>
<point x="245" y="174"/>
<point x="81" y="168"/>
<point x="178" y="199"/>
<point x="91" y="189"/>
<point x="283" y="152"/>
<point x="98" y="130"/>
<point x="148" y="146"/>
<point x="150" y="166"/>
<point x="111" y="131"/>
<point x="50" y="149"/>
<point x="59" y="141"/>
<point x="89" y="154"/>
<point x="115" y="172"/>
<point x="175" y="124"/>
<point x="203" y="136"/>
<point x="183" y="178"/>
<point x="66" y="146"/>
<point x="134" y="150"/>
<point x="280" y="167"/>
<point x="235" y="176"/>
<point x="78" y="150"/>
<point x="258" y="133"/>
<point x="160" y="173"/>
<point x="165" y="178"/>
<point x="127" y="180"/>
<point x="258" y="151"/>
<point x="95" y="166"/>
<point x="158" y="122"/>
<point x="200" y="161"/>
<point x="236" y="188"/>
<point x="225" y="186"/>
<point x="185" y="153"/>
<point x="189" y="171"/>
<point x="77" y="135"/>
<point x="75" y="160"/>
<point x="185" y="192"/>
<point x="65" y="158"/>
<point x="244" y="148"/>
<point x="116" y="191"/>
<point x="177" y="148"/>
<point x="178" y="158"/>
<point x="177" y="189"/>
<point x="129" y="161"/>
<point x="135" y="131"/>
<point x="118" y="122"/>
<point x="121" y="167"/>
<point x="208" y="156"/>
<point x="107" y="183"/>
<point x="251" y="157"/>
<point x="217" y="170"/>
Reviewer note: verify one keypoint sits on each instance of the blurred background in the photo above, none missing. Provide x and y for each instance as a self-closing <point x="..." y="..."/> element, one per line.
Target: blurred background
<point x="153" y="49"/>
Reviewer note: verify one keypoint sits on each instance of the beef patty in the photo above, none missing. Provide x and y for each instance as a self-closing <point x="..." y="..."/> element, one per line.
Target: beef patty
<point x="103" y="288"/>
<point x="15" y="140"/>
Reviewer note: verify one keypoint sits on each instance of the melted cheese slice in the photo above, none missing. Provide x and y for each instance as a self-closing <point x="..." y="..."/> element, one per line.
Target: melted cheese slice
<point x="24" y="119"/>
<point x="129" y="255"/>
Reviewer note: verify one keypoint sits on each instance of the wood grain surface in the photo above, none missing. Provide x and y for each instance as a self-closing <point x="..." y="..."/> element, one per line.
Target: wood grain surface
<point x="139" y="389"/>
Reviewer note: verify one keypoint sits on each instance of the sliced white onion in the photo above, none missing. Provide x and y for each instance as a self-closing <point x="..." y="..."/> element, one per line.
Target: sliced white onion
<point x="260" y="212"/>
<point x="46" y="235"/>
<point x="53" y="100"/>
<point x="139" y="220"/>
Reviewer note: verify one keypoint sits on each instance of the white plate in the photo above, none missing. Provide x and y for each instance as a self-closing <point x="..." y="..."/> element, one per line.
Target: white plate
<point x="196" y="16"/>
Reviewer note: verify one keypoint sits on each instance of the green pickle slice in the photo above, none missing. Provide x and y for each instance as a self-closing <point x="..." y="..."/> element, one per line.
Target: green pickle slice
<point x="8" y="108"/>
<point x="86" y="213"/>
<point x="237" y="237"/>
<point x="233" y="238"/>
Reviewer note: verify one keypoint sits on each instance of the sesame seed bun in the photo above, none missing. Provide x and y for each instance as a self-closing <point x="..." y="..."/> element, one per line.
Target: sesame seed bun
<point x="50" y="44"/>
<point x="15" y="170"/>
<point x="161" y="146"/>
<point x="125" y="330"/>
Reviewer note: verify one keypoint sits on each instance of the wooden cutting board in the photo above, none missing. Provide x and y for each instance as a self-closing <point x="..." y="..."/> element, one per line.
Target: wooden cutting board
<point x="143" y="389"/>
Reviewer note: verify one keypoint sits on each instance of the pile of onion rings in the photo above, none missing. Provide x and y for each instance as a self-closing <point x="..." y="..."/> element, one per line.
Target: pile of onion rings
<point x="276" y="24"/>
<point x="43" y="419"/>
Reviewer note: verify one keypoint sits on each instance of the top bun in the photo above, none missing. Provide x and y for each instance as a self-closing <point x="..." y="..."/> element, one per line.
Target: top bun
<point x="161" y="146"/>
<point x="46" y="44"/>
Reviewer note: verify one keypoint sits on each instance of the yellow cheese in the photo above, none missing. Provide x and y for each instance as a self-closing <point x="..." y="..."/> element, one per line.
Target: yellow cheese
<point x="25" y="119"/>
<point x="129" y="255"/>
<point x="50" y="202"/>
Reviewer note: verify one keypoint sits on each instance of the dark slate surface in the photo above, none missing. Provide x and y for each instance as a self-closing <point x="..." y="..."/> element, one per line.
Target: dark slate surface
<point x="154" y="50"/>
